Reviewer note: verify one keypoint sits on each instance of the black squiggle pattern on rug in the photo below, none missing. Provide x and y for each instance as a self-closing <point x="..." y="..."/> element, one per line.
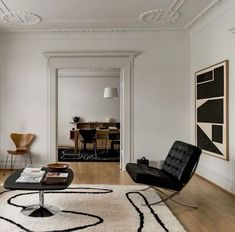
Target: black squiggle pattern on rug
<point x="9" y="201"/>
<point x="5" y="191"/>
<point x="105" y="190"/>
<point x="102" y="155"/>
<point x="14" y="223"/>
<point x="100" y="220"/>
<point x="80" y="227"/>
<point x="141" y="215"/>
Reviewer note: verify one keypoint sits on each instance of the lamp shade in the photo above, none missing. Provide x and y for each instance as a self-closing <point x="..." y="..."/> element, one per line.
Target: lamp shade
<point x="110" y="92"/>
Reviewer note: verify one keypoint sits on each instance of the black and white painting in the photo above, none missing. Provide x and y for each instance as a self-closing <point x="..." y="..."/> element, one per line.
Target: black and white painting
<point x="212" y="110"/>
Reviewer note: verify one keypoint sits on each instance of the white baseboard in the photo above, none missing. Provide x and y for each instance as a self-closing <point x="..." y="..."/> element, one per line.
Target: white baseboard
<point x="19" y="163"/>
<point x="217" y="179"/>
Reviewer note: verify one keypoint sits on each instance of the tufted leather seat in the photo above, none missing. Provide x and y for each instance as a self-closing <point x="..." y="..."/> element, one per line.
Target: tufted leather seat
<point x="176" y="170"/>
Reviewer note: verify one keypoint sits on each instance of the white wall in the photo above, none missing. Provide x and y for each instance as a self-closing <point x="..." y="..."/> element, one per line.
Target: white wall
<point x="210" y="44"/>
<point x="161" y="85"/>
<point x="1" y="96"/>
<point x="83" y="96"/>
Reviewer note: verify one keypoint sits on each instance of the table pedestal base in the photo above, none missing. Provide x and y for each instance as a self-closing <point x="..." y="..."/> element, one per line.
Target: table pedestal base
<point x="40" y="210"/>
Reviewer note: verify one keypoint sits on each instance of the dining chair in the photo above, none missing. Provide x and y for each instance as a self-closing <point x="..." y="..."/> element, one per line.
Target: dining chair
<point x="22" y="143"/>
<point x="114" y="139"/>
<point x="88" y="136"/>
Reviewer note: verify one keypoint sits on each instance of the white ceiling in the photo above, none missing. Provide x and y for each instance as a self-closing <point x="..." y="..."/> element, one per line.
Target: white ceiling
<point x="107" y="14"/>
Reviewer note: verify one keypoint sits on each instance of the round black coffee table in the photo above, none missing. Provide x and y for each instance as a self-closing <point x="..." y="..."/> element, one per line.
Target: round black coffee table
<point x="38" y="210"/>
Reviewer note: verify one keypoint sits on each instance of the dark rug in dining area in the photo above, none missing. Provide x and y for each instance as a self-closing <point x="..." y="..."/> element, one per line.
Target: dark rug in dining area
<point x="68" y="155"/>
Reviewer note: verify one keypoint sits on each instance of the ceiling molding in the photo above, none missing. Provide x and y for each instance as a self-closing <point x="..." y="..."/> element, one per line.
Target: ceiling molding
<point x="89" y="30"/>
<point x="162" y="16"/>
<point x="75" y="21"/>
<point x="68" y="35"/>
<point x="17" y="17"/>
<point x="175" y="7"/>
<point x="92" y="54"/>
<point x="210" y="10"/>
<point x="20" y="18"/>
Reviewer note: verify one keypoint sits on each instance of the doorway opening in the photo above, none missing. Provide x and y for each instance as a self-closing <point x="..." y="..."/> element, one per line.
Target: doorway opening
<point x="83" y="108"/>
<point x="124" y="61"/>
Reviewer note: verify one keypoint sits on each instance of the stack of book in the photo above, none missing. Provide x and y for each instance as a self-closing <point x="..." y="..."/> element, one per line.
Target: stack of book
<point x="55" y="178"/>
<point x="31" y="174"/>
<point x="112" y="128"/>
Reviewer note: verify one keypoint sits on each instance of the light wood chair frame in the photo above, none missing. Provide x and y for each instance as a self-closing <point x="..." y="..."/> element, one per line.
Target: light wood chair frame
<point x="27" y="152"/>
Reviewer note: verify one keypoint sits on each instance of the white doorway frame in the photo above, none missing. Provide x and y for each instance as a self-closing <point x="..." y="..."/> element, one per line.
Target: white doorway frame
<point x="124" y="60"/>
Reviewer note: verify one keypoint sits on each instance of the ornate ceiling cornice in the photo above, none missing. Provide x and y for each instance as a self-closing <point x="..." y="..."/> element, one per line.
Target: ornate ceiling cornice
<point x="17" y="17"/>
<point x="207" y="12"/>
<point x="232" y="30"/>
<point x="92" y="30"/>
<point x="162" y="16"/>
<point x="177" y="4"/>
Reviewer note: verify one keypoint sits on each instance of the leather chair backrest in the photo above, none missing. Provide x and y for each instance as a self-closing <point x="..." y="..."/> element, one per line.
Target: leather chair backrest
<point x="181" y="161"/>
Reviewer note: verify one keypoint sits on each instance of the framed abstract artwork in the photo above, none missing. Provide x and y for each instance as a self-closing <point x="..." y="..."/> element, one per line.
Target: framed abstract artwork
<point x="212" y="110"/>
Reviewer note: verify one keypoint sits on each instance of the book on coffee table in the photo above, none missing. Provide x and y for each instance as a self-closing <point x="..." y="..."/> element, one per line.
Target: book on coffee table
<point x="31" y="177"/>
<point x="32" y="168"/>
<point x="55" y="178"/>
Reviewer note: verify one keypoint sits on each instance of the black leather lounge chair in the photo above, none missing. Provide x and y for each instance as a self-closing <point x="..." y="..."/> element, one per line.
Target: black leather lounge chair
<point x="176" y="171"/>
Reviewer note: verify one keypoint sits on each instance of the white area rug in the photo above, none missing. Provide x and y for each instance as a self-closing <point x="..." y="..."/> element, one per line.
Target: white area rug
<point x="99" y="208"/>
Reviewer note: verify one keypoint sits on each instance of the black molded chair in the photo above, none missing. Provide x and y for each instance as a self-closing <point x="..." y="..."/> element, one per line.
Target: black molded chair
<point x="88" y="136"/>
<point x="176" y="171"/>
<point x="114" y="138"/>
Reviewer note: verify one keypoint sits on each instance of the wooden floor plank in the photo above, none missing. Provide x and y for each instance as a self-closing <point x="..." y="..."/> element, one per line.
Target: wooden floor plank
<point x="216" y="212"/>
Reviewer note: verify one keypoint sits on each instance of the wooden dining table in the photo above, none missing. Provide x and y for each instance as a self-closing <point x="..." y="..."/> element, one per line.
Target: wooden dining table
<point x="100" y="133"/>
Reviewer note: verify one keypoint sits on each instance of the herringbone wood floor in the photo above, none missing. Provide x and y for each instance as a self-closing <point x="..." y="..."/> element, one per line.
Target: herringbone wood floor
<point x="216" y="212"/>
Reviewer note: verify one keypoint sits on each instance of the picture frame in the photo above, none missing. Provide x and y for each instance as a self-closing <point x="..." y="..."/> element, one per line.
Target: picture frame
<point x="211" y="110"/>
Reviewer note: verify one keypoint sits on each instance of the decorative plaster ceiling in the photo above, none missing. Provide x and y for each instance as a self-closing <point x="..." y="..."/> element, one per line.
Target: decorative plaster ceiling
<point x="106" y="15"/>
<point x="14" y="18"/>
